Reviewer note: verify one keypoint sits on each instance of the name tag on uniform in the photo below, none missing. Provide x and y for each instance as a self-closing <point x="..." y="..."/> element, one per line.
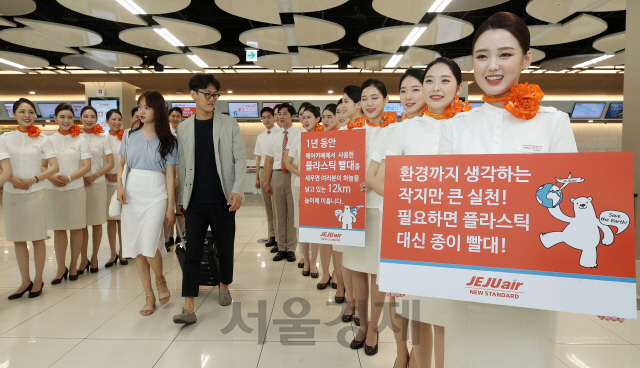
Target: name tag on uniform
<point x="530" y="148"/>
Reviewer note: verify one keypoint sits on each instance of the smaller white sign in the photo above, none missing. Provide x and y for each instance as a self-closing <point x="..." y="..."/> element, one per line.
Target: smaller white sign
<point x="252" y="55"/>
<point x="100" y="92"/>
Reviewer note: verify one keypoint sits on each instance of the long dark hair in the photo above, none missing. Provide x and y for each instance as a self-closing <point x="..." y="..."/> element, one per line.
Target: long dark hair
<point x="168" y="142"/>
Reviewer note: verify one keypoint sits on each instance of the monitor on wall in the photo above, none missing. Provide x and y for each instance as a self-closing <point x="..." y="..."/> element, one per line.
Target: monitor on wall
<point x="614" y="111"/>
<point x="475" y="104"/>
<point x="243" y="109"/>
<point x="77" y="109"/>
<point x="47" y="110"/>
<point x="9" y="107"/>
<point x="188" y="108"/>
<point x="587" y="110"/>
<point x="102" y="106"/>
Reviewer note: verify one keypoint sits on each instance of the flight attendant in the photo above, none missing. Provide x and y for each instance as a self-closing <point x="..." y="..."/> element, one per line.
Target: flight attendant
<point x="420" y="135"/>
<point x="363" y="261"/>
<point x="66" y="197"/>
<point x="95" y="186"/>
<point x="310" y="123"/>
<point x="114" y="226"/>
<point x="24" y="198"/>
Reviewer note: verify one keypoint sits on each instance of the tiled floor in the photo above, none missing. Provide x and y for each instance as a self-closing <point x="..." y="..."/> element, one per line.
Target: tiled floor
<point x="94" y="322"/>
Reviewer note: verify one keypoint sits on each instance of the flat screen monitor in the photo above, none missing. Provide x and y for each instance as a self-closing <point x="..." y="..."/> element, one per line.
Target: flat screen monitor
<point x="102" y="106"/>
<point x="9" y="107"/>
<point x="243" y="109"/>
<point x="587" y="110"/>
<point x="47" y="110"/>
<point x="614" y="111"/>
<point x="77" y="109"/>
<point x="188" y="108"/>
<point x="395" y="107"/>
<point x="476" y="104"/>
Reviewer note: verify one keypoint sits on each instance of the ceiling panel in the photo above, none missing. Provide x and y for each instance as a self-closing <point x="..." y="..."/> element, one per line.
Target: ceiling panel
<point x="553" y="11"/>
<point x="306" y="6"/>
<point x="65" y="34"/>
<point x="31" y="38"/>
<point x="148" y="38"/>
<point x="375" y="62"/>
<point x="415" y="56"/>
<point x="6" y="23"/>
<point x="312" y="57"/>
<point x="104" y="9"/>
<point x="312" y="31"/>
<point x="584" y="26"/>
<point x="189" y="33"/>
<point x="265" y="11"/>
<point x="569" y="62"/>
<point x="266" y="38"/>
<point x="16" y="7"/>
<point x="413" y="11"/>
<point x="23" y="62"/>
<point x="276" y="62"/>
<point x="211" y="58"/>
<point x="611" y="43"/>
<point x="113" y="58"/>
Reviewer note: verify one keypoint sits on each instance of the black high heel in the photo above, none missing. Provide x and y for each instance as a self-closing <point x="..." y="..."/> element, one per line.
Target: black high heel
<point x="86" y="267"/>
<point x="356" y="321"/>
<point x="346" y="318"/>
<point x="123" y="262"/>
<point x="64" y="276"/>
<point x="112" y="263"/>
<point x="356" y="344"/>
<point x="37" y="293"/>
<point x="372" y="350"/>
<point x="322" y="286"/>
<point x="19" y="295"/>
<point x="306" y="273"/>
<point x="93" y="270"/>
<point x="341" y="299"/>
<point x="301" y="264"/>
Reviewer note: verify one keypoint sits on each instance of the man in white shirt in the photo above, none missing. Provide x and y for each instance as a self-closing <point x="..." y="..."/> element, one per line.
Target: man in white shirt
<point x="268" y="119"/>
<point x="277" y="182"/>
<point x="175" y="118"/>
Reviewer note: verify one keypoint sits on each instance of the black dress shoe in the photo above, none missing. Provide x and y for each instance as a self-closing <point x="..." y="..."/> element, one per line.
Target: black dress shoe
<point x="271" y="242"/>
<point x="341" y="299"/>
<point x="356" y="321"/>
<point x="306" y="273"/>
<point x="346" y="318"/>
<point x="291" y="256"/>
<point x="315" y="275"/>
<point x="274" y="249"/>
<point x="355" y="344"/>
<point x="167" y="246"/>
<point x="124" y="262"/>
<point x="112" y="263"/>
<point x="372" y="350"/>
<point x="64" y="276"/>
<point x="301" y="263"/>
<point x="19" y="295"/>
<point x="334" y="285"/>
<point x="171" y="241"/>
<point x="93" y="270"/>
<point x="322" y="286"/>
<point x="37" y="293"/>
<point x="178" y="240"/>
<point x="85" y="268"/>
<point x="280" y="256"/>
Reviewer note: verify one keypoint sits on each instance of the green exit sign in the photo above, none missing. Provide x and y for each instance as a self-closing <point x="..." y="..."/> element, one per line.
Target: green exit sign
<point x="252" y="55"/>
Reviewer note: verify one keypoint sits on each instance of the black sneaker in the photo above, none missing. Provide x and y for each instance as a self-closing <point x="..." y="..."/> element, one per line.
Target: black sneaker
<point x="280" y="256"/>
<point x="274" y="249"/>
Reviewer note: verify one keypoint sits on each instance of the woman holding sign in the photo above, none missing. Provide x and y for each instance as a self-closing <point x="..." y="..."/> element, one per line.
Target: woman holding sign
<point x="311" y="123"/>
<point x="440" y="85"/>
<point x="95" y="186"/>
<point x="363" y="261"/>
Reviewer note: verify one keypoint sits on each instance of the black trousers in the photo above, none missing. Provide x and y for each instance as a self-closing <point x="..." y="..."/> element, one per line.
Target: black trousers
<point x="198" y="218"/>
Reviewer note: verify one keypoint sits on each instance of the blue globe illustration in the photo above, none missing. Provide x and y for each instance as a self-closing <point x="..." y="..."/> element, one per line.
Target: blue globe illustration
<point x="549" y="195"/>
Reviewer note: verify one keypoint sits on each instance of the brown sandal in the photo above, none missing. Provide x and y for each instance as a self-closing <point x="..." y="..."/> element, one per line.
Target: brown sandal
<point x="147" y="308"/>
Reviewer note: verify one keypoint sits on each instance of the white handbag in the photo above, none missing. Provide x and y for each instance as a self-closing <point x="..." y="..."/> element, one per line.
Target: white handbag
<point x="115" y="207"/>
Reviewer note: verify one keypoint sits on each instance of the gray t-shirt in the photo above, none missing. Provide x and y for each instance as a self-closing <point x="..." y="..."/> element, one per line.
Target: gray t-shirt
<point x="144" y="155"/>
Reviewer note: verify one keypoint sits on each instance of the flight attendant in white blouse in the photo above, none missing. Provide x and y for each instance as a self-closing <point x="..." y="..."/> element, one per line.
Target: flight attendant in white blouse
<point x="114" y="119"/>
<point x="363" y="261"/>
<point x="95" y="186"/>
<point x="441" y="83"/>
<point x="23" y="198"/>
<point x="66" y="196"/>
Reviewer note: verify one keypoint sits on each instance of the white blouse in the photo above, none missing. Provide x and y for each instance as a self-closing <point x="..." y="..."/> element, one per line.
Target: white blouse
<point x="100" y="147"/>
<point x="4" y="151"/>
<point x="373" y="199"/>
<point x="115" y="148"/>
<point x="26" y="154"/>
<point x="70" y="152"/>
<point x="295" y="146"/>
<point x="417" y="136"/>
<point x="490" y="129"/>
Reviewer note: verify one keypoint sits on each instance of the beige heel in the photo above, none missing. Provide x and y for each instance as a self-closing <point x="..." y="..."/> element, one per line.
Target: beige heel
<point x="147" y="308"/>
<point x="166" y="295"/>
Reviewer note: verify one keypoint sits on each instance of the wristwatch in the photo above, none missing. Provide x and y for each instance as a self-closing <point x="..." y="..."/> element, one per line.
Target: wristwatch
<point x="37" y="180"/>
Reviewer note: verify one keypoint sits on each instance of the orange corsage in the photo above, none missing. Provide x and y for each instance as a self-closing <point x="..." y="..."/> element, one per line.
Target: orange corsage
<point x="452" y="110"/>
<point x="74" y="131"/>
<point x="319" y="128"/>
<point x="32" y="131"/>
<point x="523" y="101"/>
<point x="96" y="130"/>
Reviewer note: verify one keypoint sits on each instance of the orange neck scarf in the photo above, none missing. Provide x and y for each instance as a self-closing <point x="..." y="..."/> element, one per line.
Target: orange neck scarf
<point x="318" y="128"/>
<point x="451" y="111"/>
<point x="388" y="118"/>
<point x="96" y="130"/>
<point x="74" y="131"/>
<point x="120" y="133"/>
<point x="33" y="131"/>
<point x="523" y="101"/>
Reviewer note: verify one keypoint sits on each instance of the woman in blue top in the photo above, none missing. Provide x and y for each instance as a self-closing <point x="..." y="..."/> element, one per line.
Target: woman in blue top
<point x="150" y="151"/>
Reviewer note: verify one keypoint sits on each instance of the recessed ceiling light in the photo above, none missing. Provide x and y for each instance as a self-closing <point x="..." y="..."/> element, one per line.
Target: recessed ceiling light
<point x="179" y="93"/>
<point x="229" y="91"/>
<point x="32" y="92"/>
<point x="15" y="65"/>
<point x="168" y="36"/>
<point x="131" y="6"/>
<point x="593" y="61"/>
<point x="438" y="6"/>
<point x="393" y="61"/>
<point x="330" y="91"/>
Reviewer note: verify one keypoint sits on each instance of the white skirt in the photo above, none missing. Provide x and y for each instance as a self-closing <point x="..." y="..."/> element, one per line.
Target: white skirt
<point x="96" y="203"/>
<point x="143" y="215"/>
<point x="66" y="209"/>
<point x="366" y="259"/>
<point x="111" y="188"/>
<point x="25" y="216"/>
<point x="481" y="335"/>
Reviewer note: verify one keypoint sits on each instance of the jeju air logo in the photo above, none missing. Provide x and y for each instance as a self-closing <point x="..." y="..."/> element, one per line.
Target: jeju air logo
<point x="330" y="236"/>
<point x="495" y="287"/>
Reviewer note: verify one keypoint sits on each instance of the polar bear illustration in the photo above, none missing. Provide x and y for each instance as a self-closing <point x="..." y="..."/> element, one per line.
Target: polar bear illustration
<point x="582" y="233"/>
<point x="347" y="217"/>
